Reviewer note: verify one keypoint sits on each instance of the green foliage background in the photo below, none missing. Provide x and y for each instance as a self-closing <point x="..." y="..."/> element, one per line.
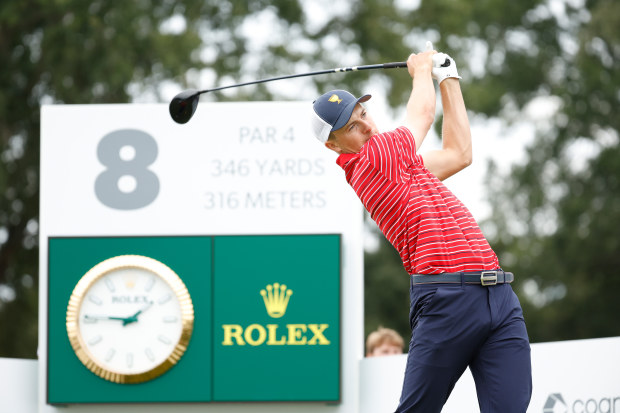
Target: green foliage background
<point x="554" y="217"/>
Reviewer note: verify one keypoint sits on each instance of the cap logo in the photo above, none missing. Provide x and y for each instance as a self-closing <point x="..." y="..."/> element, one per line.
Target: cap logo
<point x="334" y="98"/>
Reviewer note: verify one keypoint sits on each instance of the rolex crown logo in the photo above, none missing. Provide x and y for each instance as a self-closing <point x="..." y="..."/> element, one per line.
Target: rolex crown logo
<point x="334" y="98"/>
<point x="130" y="281"/>
<point x="276" y="298"/>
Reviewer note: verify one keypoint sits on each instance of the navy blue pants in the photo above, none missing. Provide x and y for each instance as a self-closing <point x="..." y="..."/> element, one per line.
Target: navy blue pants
<point x="459" y="325"/>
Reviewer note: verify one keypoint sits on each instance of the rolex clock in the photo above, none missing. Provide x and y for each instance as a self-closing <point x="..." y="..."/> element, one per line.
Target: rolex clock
<point x="130" y="319"/>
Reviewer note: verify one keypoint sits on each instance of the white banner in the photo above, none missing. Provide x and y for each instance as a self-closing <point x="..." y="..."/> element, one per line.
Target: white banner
<point x="580" y="376"/>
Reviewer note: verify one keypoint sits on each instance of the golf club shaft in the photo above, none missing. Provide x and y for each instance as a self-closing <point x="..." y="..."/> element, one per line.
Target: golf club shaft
<point x="183" y="105"/>
<point x="320" y="72"/>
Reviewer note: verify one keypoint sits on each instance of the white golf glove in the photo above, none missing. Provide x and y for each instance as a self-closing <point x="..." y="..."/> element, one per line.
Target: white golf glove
<point x="443" y="66"/>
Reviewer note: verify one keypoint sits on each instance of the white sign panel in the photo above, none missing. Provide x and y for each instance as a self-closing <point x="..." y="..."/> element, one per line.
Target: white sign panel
<point x="241" y="167"/>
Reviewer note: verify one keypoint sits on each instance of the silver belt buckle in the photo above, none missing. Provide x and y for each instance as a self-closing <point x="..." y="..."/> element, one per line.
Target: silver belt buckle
<point x="488" y="278"/>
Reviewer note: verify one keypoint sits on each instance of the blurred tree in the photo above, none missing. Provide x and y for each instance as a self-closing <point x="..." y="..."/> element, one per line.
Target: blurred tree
<point x="84" y="52"/>
<point x="556" y="216"/>
<point x="97" y="52"/>
<point x="510" y="54"/>
<point x="64" y="52"/>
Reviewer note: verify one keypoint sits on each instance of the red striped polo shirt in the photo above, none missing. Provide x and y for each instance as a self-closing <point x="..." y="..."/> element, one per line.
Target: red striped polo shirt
<point x="431" y="229"/>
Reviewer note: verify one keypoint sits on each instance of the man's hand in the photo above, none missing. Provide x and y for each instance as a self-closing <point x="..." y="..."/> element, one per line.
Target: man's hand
<point x="443" y="66"/>
<point x="420" y="63"/>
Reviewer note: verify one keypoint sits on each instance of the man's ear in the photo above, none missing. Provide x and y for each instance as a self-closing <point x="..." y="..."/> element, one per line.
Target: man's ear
<point x="333" y="146"/>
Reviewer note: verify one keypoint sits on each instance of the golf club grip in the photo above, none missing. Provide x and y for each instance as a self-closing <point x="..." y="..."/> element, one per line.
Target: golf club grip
<point x="394" y="65"/>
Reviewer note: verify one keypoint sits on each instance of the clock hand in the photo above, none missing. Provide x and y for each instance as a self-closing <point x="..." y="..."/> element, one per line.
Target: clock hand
<point x="103" y="317"/>
<point x="134" y="318"/>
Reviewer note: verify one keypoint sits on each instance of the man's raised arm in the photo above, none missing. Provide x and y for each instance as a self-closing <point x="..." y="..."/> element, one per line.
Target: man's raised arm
<point x="421" y="105"/>
<point x="456" y="152"/>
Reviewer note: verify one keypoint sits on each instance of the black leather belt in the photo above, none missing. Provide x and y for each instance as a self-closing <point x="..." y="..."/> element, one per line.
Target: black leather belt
<point x="485" y="278"/>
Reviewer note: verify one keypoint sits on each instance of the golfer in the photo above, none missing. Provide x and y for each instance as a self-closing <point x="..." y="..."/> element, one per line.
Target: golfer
<point x="463" y="310"/>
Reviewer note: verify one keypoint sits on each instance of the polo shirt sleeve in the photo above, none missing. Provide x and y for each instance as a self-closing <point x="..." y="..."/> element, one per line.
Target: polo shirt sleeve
<point x="392" y="153"/>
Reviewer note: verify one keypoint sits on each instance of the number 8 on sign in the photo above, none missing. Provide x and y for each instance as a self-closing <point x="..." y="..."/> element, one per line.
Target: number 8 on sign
<point x="127" y="183"/>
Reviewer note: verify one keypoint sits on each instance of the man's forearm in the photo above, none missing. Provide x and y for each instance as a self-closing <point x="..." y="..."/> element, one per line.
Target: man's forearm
<point x="456" y="132"/>
<point x="421" y="106"/>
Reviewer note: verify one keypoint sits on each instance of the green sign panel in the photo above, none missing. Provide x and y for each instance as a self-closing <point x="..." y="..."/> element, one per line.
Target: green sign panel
<point x="266" y="319"/>
<point x="276" y="318"/>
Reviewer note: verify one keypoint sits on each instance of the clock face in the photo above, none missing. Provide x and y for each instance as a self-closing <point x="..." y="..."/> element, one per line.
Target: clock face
<point x="129" y="319"/>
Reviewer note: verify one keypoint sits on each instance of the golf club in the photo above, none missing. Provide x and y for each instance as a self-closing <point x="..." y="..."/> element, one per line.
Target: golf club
<point x="183" y="106"/>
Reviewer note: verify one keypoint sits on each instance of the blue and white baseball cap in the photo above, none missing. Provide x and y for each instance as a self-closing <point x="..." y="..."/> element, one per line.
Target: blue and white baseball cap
<point x="332" y="111"/>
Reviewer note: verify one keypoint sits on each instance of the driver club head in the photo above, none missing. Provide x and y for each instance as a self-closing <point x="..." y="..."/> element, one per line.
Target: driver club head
<point x="183" y="106"/>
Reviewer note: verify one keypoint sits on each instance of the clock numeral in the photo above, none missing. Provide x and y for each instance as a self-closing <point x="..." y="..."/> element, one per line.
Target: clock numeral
<point x="129" y="360"/>
<point x="149" y="354"/>
<point x="164" y="299"/>
<point x="95" y="299"/>
<point x="109" y="284"/>
<point x="110" y="354"/>
<point x="94" y="340"/>
<point x="170" y="319"/>
<point x="150" y="283"/>
<point x="164" y="339"/>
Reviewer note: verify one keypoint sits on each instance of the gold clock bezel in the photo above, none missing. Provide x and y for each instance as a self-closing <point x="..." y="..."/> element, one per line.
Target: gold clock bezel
<point x="113" y="264"/>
